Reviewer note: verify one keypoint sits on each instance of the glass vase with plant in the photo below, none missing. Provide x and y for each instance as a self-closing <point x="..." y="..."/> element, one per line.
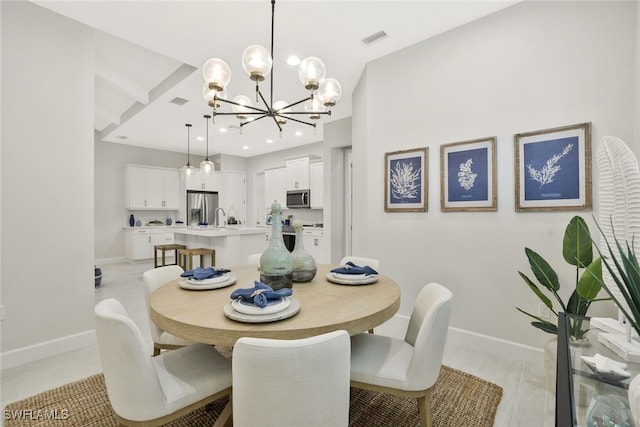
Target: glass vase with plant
<point x="577" y="250"/>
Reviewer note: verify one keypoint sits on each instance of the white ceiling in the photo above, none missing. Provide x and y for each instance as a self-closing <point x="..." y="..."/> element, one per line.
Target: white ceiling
<point x="150" y="52"/>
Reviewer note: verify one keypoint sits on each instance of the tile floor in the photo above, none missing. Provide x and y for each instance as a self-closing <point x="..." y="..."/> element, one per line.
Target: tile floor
<point x="525" y="402"/>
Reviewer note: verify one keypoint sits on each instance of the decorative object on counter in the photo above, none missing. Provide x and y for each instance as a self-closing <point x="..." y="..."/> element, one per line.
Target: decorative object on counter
<point x="138" y="223"/>
<point x="207" y="165"/>
<point x="188" y="169"/>
<point x="98" y="276"/>
<point x="276" y="262"/>
<point x="179" y="222"/>
<point x="304" y="266"/>
<point x="257" y="62"/>
<point x="169" y="221"/>
<point x="132" y="220"/>
<point x="577" y="250"/>
<point x="232" y="218"/>
<point x="155" y="222"/>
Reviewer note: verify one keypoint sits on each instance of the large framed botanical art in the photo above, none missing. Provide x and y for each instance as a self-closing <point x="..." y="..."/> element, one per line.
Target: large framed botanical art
<point x="468" y="175"/>
<point x="553" y="169"/>
<point x="405" y="186"/>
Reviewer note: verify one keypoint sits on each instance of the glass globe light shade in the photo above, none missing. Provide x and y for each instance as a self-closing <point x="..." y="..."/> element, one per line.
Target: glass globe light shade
<point x="241" y="112"/>
<point x="210" y="94"/>
<point x="311" y="72"/>
<point x="207" y="166"/>
<point x="314" y="107"/>
<point x="330" y="92"/>
<point x="278" y="107"/>
<point x="188" y="169"/>
<point x="256" y="61"/>
<point x="216" y="73"/>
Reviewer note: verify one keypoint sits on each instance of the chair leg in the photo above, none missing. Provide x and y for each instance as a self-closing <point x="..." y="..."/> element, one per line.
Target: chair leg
<point x="424" y="409"/>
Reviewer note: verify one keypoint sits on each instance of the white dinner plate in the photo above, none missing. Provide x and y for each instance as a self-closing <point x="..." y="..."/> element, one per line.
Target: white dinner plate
<point x="210" y="281"/>
<point x="346" y="276"/>
<point x="186" y="285"/>
<point x="372" y="278"/>
<point x="273" y="306"/>
<point x="231" y="313"/>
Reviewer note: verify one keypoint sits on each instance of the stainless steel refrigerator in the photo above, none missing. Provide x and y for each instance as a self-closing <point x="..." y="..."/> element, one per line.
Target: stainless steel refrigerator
<point x="201" y="207"/>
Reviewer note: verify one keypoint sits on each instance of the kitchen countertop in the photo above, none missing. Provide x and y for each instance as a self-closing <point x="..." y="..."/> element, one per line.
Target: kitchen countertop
<point x="218" y="232"/>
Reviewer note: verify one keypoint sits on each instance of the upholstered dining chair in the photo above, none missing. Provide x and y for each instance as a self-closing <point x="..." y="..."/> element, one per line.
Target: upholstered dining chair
<point x="408" y="367"/>
<point x="362" y="261"/>
<point x="150" y="391"/>
<point x="152" y="280"/>
<point x="291" y="383"/>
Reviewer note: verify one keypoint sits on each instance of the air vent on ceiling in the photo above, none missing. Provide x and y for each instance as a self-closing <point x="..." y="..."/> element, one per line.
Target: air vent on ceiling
<point x="178" y="101"/>
<point x="374" y="37"/>
<point x="121" y="136"/>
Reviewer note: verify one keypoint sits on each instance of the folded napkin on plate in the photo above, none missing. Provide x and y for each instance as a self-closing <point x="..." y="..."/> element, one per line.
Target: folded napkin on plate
<point x="260" y="294"/>
<point x="200" y="273"/>
<point x="351" y="268"/>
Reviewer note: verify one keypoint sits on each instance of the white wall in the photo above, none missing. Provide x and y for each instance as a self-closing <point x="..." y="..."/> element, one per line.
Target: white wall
<point x="47" y="182"/>
<point x="532" y="66"/>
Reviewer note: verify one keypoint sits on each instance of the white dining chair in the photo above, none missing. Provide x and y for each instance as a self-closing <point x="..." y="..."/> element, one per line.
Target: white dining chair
<point x="408" y="367"/>
<point x="362" y="261"/>
<point x="291" y="383"/>
<point x="152" y="280"/>
<point x="254" y="259"/>
<point x="150" y="391"/>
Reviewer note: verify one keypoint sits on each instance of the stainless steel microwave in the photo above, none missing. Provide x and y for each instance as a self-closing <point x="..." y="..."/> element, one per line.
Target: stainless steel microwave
<point x="298" y="199"/>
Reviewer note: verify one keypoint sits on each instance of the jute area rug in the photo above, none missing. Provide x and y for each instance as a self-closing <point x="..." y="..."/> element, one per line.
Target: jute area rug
<point x="458" y="400"/>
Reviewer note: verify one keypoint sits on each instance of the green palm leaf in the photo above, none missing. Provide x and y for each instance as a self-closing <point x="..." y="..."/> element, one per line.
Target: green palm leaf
<point x="542" y="270"/>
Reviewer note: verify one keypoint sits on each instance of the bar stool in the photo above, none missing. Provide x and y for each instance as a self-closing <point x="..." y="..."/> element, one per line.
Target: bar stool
<point x="164" y="248"/>
<point x="191" y="252"/>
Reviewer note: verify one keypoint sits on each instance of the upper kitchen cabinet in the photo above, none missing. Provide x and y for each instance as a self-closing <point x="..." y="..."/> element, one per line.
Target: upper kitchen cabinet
<point x="297" y="174"/>
<point x="316" y="184"/>
<point x="198" y="181"/>
<point x="151" y="188"/>
<point x="274" y="187"/>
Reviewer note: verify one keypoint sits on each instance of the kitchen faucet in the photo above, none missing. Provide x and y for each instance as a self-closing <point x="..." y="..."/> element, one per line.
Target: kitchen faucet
<point x="215" y="217"/>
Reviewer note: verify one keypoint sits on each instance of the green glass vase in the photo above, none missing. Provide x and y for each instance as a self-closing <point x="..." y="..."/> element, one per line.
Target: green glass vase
<point x="276" y="262"/>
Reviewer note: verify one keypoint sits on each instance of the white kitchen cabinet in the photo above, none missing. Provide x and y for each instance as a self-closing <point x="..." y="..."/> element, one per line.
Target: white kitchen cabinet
<point x="316" y="184"/>
<point x="151" y="188"/>
<point x="297" y="174"/>
<point x="199" y="181"/>
<point x="274" y="187"/>
<point x="139" y="243"/>
<point x="314" y="244"/>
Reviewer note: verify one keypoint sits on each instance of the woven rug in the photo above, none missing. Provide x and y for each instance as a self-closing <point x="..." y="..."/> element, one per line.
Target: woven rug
<point x="458" y="400"/>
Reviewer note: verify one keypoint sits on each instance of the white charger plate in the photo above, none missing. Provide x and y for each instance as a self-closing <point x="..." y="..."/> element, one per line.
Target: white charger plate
<point x="210" y="281"/>
<point x="273" y="306"/>
<point x="231" y="313"/>
<point x="333" y="277"/>
<point x="186" y="285"/>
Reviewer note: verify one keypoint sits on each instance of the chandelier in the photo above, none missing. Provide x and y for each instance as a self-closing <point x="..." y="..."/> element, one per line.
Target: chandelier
<point x="257" y="62"/>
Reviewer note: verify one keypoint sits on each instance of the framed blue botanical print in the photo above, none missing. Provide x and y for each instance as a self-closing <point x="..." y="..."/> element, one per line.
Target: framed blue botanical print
<point x="468" y="176"/>
<point x="405" y="188"/>
<point x="553" y="169"/>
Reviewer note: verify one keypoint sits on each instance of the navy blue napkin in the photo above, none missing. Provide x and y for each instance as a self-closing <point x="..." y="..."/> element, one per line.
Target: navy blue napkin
<point x="351" y="268"/>
<point x="200" y="273"/>
<point x="260" y="294"/>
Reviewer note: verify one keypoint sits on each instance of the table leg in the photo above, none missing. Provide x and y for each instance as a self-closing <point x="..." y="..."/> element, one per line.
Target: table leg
<point x="163" y="261"/>
<point x="226" y="417"/>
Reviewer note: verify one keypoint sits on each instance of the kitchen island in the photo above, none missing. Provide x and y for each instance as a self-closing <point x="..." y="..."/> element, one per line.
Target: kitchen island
<point x="232" y="245"/>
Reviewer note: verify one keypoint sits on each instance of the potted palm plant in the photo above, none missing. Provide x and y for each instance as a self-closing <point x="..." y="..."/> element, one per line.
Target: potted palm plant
<point x="577" y="250"/>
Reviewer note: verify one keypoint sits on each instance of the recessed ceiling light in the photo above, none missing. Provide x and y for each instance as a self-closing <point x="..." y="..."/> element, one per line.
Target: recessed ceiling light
<point x="293" y="60"/>
<point x="269" y="141"/>
<point x="223" y="130"/>
<point x="245" y="147"/>
<point x="298" y="133"/>
<point x="200" y="138"/>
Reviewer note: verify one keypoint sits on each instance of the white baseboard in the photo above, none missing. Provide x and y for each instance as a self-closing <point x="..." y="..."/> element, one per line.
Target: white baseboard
<point x="20" y="356"/>
<point x="110" y="260"/>
<point x="397" y="325"/>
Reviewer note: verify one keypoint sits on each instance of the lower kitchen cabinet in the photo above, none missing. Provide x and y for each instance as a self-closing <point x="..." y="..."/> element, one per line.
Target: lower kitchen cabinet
<point x="139" y="243"/>
<point x="315" y="245"/>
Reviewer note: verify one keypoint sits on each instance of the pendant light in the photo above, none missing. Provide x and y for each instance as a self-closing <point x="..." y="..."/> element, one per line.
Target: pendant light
<point x="206" y="165"/>
<point x="188" y="168"/>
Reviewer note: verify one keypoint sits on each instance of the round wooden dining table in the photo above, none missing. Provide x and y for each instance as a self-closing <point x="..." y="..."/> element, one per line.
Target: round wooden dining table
<point x="198" y="315"/>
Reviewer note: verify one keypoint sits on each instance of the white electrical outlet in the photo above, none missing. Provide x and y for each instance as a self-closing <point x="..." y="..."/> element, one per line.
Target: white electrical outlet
<point x="543" y="311"/>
